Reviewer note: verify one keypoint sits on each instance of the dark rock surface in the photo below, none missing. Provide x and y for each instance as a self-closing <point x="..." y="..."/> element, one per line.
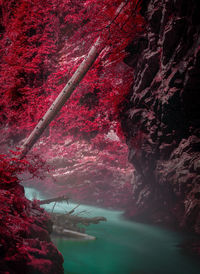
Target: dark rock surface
<point x="25" y="244"/>
<point x="162" y="119"/>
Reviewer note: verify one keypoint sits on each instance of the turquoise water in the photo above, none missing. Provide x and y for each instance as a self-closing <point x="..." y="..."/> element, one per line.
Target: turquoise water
<point x="121" y="247"/>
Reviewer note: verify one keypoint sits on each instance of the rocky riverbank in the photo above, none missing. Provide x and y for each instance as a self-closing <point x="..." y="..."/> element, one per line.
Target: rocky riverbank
<point x="25" y="243"/>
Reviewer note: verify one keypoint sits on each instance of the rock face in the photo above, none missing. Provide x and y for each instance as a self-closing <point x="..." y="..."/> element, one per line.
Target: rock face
<point x="25" y="244"/>
<point x="161" y="120"/>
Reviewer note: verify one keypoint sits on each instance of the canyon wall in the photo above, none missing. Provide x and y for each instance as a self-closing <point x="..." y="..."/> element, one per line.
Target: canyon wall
<point x="161" y="118"/>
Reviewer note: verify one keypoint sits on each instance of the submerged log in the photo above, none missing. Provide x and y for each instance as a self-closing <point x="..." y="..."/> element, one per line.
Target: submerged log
<point x="73" y="234"/>
<point x="63" y="219"/>
<point x="66" y="225"/>
<point x="57" y="199"/>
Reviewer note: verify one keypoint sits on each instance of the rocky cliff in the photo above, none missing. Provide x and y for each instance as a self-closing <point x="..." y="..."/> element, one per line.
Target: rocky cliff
<point x="161" y="120"/>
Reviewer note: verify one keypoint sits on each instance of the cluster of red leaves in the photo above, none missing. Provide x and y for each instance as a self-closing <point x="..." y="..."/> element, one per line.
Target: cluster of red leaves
<point x="9" y="168"/>
<point x="28" y="45"/>
<point x="24" y="227"/>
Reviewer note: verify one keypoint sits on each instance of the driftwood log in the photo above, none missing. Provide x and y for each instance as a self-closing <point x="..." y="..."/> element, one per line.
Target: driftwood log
<point x="68" y="224"/>
<point x="71" y="234"/>
<point x="57" y="199"/>
<point x="64" y="219"/>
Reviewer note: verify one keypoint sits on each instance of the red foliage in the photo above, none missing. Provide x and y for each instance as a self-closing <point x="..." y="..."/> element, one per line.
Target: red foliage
<point x="24" y="226"/>
<point x="9" y="168"/>
<point x="41" y="45"/>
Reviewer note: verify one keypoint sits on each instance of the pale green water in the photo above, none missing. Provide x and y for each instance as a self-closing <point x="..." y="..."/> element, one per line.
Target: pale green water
<point x="122" y="247"/>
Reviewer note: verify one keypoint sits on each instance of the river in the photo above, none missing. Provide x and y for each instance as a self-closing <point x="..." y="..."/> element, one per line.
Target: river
<point x="121" y="246"/>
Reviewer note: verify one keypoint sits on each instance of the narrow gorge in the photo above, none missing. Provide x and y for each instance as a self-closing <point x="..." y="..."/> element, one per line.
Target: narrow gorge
<point x="126" y="143"/>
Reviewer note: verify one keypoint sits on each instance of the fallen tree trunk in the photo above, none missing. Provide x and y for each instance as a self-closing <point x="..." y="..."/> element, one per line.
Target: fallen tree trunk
<point x="57" y="199"/>
<point x="64" y="219"/>
<point x="73" y="234"/>
<point x="66" y="225"/>
<point x="62" y="97"/>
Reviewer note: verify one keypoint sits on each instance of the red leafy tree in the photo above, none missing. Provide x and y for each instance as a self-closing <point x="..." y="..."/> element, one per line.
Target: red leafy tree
<point x="42" y="44"/>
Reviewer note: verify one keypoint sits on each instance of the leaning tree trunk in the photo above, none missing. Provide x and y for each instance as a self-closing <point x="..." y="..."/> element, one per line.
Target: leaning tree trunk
<point x="63" y="96"/>
<point x="68" y="89"/>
